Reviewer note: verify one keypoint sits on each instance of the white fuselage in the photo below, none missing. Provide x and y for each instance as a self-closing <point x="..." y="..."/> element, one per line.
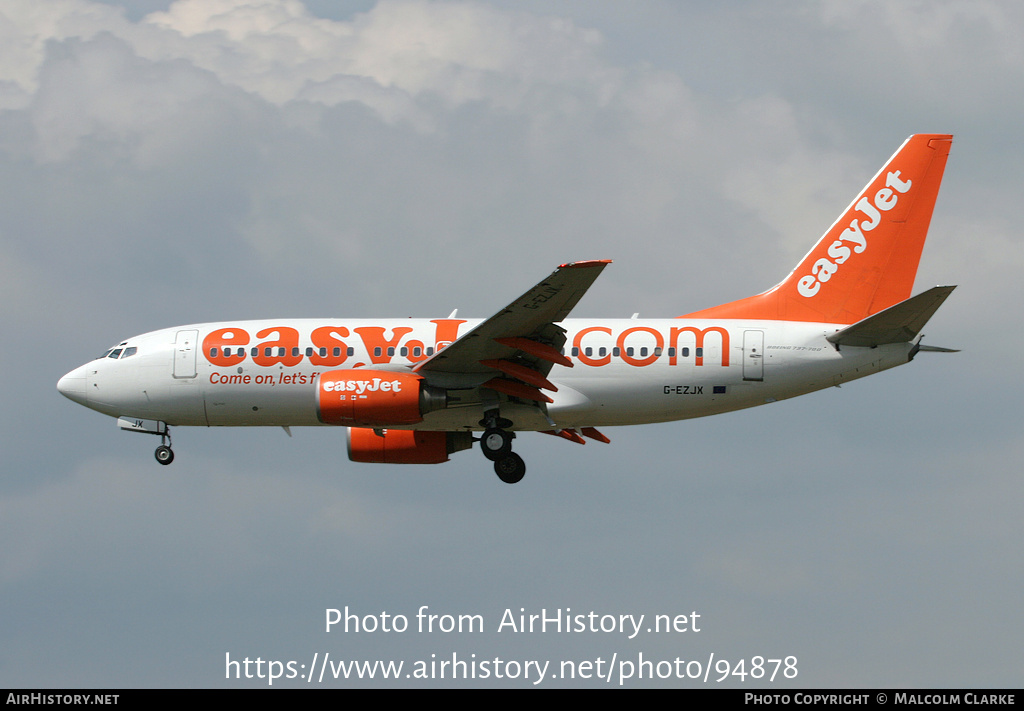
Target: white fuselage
<point x="626" y="371"/>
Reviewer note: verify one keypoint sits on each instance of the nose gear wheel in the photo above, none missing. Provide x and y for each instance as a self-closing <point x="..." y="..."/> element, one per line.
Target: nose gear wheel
<point x="164" y="454"/>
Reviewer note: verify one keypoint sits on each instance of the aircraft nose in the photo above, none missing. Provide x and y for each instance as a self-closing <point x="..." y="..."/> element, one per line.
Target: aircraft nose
<point x="72" y="385"/>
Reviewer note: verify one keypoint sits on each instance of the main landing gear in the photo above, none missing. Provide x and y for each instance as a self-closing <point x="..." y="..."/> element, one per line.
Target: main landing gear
<point x="496" y="444"/>
<point x="511" y="468"/>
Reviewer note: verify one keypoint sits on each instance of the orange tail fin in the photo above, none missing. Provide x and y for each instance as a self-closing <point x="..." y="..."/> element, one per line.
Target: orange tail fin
<point x="867" y="260"/>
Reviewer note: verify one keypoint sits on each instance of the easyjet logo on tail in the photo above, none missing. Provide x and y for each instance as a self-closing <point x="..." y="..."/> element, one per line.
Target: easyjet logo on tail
<point x="853" y="240"/>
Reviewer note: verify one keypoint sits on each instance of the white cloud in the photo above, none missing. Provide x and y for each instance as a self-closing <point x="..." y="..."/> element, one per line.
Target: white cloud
<point x="27" y="27"/>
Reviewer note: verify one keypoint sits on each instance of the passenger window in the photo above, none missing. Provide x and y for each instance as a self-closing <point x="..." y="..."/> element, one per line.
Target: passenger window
<point x="336" y="352"/>
<point x="351" y="351"/>
<point x="213" y="352"/>
<point x="377" y="352"/>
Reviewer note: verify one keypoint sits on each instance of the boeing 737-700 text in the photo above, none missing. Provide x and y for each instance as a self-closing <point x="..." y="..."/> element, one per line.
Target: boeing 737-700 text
<point x="417" y="390"/>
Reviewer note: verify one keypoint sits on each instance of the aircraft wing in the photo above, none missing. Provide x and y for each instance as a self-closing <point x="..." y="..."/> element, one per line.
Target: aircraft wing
<point x="522" y="340"/>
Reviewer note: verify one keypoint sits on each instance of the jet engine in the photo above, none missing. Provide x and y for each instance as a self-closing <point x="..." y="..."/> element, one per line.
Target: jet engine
<point x="375" y="398"/>
<point x="404" y="446"/>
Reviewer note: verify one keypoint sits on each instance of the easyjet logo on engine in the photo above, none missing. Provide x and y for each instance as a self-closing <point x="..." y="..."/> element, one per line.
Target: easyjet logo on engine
<point x="362" y="386"/>
<point x="852" y="240"/>
<point x="367" y="398"/>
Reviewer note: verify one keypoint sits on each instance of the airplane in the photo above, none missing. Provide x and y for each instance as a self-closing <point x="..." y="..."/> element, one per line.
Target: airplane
<point x="414" y="391"/>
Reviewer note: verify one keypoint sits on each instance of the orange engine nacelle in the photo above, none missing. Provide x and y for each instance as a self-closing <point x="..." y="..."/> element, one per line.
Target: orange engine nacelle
<point x="374" y="398"/>
<point x="404" y="446"/>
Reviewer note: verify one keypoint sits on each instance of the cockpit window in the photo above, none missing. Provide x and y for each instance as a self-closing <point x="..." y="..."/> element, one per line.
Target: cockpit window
<point x="129" y="352"/>
<point x="117" y="350"/>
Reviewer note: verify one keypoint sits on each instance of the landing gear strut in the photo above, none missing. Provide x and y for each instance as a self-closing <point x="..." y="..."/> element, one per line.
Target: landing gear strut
<point x="496" y="444"/>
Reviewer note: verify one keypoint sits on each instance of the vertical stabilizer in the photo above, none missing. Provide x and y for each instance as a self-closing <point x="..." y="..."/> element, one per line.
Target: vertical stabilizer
<point x="868" y="258"/>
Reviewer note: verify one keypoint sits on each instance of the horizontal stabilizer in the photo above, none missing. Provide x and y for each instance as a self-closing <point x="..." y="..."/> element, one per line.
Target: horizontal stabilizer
<point x="896" y="324"/>
<point x="937" y="349"/>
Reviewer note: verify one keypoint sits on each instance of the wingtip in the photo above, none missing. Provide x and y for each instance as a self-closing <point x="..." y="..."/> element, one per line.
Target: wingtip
<point x="585" y="263"/>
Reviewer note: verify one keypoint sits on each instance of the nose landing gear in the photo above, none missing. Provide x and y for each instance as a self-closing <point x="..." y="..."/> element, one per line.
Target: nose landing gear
<point x="164" y="454"/>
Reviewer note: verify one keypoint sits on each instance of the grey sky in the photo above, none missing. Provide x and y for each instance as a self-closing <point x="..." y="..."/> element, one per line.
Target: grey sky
<point x="221" y="159"/>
